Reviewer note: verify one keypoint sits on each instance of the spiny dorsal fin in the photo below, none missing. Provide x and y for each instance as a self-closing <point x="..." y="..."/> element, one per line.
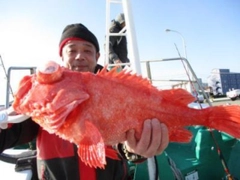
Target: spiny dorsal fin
<point x="126" y="77"/>
<point x="179" y="95"/>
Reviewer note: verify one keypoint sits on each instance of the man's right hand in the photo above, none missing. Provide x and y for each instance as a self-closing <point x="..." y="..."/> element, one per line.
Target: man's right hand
<point x="118" y="61"/>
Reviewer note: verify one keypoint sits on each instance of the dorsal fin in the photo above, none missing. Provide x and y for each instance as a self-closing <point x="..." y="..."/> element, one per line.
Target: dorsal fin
<point x="125" y="77"/>
<point x="181" y="96"/>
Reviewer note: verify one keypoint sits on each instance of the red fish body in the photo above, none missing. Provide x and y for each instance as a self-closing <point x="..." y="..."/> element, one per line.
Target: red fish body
<point x="95" y="110"/>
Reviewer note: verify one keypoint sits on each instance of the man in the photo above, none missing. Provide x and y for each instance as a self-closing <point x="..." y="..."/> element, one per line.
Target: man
<point x="118" y="52"/>
<point x="57" y="158"/>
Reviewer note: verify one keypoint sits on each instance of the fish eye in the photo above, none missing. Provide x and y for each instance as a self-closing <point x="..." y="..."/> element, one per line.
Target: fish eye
<point x="49" y="72"/>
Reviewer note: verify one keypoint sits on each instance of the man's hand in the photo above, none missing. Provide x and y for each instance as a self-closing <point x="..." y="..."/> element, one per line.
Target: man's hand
<point x="118" y="61"/>
<point x="153" y="141"/>
<point x="3" y="119"/>
<point x="10" y="116"/>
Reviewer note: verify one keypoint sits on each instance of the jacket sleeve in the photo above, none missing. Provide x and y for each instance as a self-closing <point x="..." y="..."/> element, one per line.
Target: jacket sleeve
<point x="112" y="41"/>
<point x="131" y="157"/>
<point x="18" y="134"/>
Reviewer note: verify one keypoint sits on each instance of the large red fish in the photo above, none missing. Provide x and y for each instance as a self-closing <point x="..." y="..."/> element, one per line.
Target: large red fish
<point x="95" y="110"/>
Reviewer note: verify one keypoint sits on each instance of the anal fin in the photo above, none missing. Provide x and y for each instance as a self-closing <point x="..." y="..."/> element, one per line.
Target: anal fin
<point x="180" y="135"/>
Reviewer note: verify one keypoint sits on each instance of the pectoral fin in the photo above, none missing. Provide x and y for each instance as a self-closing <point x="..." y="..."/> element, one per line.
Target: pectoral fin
<point x="92" y="149"/>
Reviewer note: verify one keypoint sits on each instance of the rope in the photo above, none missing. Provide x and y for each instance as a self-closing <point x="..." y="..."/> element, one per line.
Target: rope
<point x="188" y="75"/>
<point x="224" y="164"/>
<point x="176" y="172"/>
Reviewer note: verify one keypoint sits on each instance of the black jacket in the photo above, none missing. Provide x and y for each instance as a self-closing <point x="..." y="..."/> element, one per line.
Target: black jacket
<point x="117" y="44"/>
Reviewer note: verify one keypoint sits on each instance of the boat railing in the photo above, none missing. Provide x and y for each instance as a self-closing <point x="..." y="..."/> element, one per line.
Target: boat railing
<point x="8" y="85"/>
<point x="148" y="72"/>
<point x="189" y="68"/>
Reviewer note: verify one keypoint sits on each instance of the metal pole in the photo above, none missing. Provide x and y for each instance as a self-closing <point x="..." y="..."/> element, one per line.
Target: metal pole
<point x="183" y="41"/>
<point x="133" y="48"/>
<point x="191" y="77"/>
<point x="32" y="70"/>
<point x="106" y="58"/>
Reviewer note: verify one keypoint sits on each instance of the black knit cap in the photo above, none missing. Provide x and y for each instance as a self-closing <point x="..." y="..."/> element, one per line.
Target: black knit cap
<point x="77" y="31"/>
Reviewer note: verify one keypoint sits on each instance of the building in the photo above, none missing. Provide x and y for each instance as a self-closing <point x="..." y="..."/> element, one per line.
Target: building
<point x="222" y="80"/>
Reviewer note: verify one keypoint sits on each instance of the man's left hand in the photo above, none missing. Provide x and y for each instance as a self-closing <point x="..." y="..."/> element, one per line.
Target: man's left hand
<point x="153" y="141"/>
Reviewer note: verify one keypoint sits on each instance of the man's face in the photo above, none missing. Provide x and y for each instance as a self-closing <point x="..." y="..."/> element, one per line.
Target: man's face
<point x="80" y="56"/>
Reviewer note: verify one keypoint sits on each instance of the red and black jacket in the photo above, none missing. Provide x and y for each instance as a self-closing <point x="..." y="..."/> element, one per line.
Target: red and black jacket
<point x="57" y="159"/>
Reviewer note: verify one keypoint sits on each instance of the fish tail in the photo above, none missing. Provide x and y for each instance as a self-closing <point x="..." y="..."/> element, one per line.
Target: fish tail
<point x="224" y="118"/>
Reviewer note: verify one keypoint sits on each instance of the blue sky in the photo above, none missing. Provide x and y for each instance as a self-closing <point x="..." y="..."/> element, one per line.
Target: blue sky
<point x="30" y="31"/>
